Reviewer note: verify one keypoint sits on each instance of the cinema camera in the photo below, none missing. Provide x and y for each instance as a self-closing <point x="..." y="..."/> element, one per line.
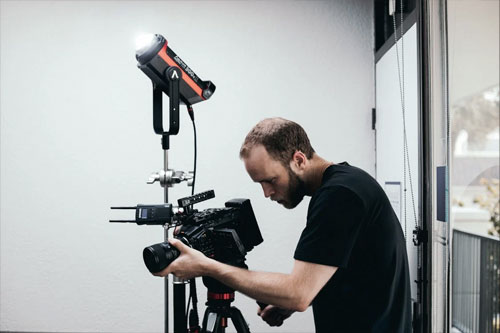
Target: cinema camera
<point x="224" y="234"/>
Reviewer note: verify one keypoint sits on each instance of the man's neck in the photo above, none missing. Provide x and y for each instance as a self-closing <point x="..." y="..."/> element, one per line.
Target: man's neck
<point x="315" y="174"/>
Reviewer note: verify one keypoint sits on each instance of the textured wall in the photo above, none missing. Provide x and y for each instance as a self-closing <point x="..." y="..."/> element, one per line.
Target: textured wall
<point x="77" y="137"/>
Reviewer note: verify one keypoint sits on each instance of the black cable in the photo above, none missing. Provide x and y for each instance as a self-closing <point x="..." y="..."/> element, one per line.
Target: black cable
<point x="189" y="300"/>
<point x="191" y="115"/>
<point x="193" y="319"/>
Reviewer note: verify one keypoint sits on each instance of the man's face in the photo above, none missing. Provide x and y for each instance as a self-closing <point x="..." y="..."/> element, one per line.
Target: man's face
<point x="278" y="182"/>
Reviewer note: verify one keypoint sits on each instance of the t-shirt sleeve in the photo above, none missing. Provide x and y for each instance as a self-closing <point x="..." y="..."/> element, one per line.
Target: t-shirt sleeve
<point x="333" y="224"/>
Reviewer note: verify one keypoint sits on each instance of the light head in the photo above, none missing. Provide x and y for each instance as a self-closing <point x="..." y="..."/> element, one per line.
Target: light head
<point x="156" y="58"/>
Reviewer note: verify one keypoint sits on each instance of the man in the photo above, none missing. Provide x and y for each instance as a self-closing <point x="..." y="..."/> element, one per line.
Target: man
<point x="350" y="261"/>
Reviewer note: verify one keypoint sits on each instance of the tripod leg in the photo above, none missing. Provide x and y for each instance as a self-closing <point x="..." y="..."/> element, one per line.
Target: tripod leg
<point x="207" y="314"/>
<point x="238" y="321"/>
<point x="212" y="322"/>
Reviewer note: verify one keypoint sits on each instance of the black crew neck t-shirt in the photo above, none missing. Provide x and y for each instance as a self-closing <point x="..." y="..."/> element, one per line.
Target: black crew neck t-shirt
<point x="351" y="225"/>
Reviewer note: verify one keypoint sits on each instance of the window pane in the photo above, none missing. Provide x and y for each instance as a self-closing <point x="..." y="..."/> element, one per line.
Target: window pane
<point x="473" y="51"/>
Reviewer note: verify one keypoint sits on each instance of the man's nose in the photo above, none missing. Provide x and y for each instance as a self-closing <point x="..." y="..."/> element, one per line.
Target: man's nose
<point x="268" y="190"/>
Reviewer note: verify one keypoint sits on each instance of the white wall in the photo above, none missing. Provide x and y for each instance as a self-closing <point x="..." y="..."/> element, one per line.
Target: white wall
<point x="77" y="138"/>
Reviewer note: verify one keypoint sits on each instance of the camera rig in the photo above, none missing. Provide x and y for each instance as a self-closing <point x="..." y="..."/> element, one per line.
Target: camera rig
<point x="225" y="234"/>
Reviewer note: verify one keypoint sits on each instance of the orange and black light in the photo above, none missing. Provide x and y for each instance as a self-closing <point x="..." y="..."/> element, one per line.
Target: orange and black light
<point x="156" y="58"/>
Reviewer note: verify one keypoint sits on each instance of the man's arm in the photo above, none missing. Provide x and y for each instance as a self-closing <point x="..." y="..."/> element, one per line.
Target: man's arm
<point x="294" y="291"/>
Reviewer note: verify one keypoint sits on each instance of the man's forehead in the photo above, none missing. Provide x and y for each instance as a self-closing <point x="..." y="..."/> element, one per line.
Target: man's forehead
<point x="258" y="151"/>
<point x="259" y="157"/>
<point x="260" y="165"/>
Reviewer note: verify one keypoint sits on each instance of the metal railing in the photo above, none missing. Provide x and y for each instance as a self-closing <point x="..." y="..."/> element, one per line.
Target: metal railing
<point x="475" y="283"/>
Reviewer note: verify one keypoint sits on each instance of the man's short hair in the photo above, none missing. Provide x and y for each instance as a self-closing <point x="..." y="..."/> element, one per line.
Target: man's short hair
<point x="281" y="138"/>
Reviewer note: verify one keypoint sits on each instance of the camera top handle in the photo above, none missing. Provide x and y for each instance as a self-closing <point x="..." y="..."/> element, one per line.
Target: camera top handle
<point x="188" y="202"/>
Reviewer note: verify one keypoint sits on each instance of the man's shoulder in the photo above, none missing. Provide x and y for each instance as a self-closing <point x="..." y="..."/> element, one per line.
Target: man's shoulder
<point x="340" y="179"/>
<point x="344" y="173"/>
<point x="335" y="195"/>
<point x="344" y="183"/>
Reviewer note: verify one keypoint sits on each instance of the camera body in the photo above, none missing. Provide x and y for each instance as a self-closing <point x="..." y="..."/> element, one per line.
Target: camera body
<point x="224" y="234"/>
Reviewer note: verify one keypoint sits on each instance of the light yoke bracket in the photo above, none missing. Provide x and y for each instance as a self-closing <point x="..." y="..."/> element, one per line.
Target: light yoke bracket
<point x="173" y="74"/>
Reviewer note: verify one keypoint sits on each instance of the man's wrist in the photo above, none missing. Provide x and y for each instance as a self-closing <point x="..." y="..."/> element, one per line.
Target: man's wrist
<point x="209" y="267"/>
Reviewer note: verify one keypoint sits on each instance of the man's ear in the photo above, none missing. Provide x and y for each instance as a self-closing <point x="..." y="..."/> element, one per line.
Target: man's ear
<point x="299" y="162"/>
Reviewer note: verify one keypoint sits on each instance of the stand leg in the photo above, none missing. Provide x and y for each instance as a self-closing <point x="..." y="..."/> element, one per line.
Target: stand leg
<point x="166" y="279"/>
<point x="238" y="321"/>
<point x="212" y="322"/>
<point x="166" y="284"/>
<point x="180" y="320"/>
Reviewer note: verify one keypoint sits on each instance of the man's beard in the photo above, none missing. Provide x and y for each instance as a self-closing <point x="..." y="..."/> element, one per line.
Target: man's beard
<point x="296" y="190"/>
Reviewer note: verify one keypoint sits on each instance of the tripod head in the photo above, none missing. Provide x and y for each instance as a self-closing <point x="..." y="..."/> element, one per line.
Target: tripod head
<point x="219" y="309"/>
<point x="218" y="295"/>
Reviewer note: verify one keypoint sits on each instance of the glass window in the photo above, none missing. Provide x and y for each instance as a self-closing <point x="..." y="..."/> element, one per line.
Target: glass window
<point x="473" y="68"/>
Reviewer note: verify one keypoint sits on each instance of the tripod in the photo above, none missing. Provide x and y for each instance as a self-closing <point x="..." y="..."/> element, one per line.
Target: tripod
<point x="219" y="309"/>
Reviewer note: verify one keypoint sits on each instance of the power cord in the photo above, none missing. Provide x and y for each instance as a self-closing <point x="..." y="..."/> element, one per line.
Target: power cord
<point x="193" y="315"/>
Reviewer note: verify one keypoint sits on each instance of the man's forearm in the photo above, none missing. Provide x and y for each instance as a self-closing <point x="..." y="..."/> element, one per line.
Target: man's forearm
<point x="270" y="288"/>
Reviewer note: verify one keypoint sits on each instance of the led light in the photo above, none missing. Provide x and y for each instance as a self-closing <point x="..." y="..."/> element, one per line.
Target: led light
<point x="162" y="65"/>
<point x="144" y="41"/>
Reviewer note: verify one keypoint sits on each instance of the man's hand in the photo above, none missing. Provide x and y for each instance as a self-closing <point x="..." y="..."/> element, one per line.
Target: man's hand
<point x="190" y="263"/>
<point x="274" y="315"/>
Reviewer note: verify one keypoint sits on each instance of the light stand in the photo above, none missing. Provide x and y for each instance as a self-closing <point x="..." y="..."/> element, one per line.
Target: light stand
<point x="172" y="76"/>
<point x="168" y="178"/>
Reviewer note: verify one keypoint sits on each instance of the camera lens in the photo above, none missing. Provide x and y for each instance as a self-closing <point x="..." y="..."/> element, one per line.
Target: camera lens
<point x="157" y="257"/>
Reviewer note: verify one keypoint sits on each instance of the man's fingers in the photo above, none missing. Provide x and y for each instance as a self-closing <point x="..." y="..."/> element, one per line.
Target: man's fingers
<point x="164" y="272"/>
<point x="177" y="229"/>
<point x="278" y="322"/>
<point x="274" y="321"/>
<point x="177" y="244"/>
<point x="272" y="315"/>
<point x="264" y="312"/>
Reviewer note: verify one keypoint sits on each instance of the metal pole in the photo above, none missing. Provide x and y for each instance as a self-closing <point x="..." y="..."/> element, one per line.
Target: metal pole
<point x="423" y="323"/>
<point x="166" y="279"/>
<point x="179" y="290"/>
